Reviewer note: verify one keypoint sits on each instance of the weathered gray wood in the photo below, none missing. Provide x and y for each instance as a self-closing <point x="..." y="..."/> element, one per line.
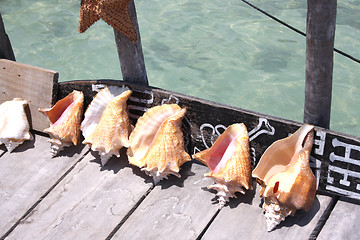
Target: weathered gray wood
<point x="244" y="219"/>
<point x="175" y="208"/>
<point x="6" y="50"/>
<point x="28" y="173"/>
<point x="320" y="33"/>
<point x="343" y="222"/>
<point x="130" y="54"/>
<point x="33" y="84"/>
<point x="88" y="203"/>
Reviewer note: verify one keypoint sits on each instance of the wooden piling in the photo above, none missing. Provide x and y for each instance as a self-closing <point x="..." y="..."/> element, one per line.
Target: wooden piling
<point x="130" y="54"/>
<point x="320" y="33"/>
<point x="6" y="50"/>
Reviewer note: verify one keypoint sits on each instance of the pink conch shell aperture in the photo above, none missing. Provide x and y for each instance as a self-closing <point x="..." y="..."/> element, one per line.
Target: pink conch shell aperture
<point x="157" y="142"/>
<point x="287" y="182"/>
<point x="14" y="125"/>
<point x="230" y="163"/>
<point x="65" y="118"/>
<point x="106" y="126"/>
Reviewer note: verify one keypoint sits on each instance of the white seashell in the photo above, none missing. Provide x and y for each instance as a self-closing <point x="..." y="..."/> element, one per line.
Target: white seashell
<point x="106" y="126"/>
<point x="14" y="125"/>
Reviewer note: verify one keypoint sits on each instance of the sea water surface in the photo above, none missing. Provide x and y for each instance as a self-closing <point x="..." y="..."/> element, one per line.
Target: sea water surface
<point x="220" y="50"/>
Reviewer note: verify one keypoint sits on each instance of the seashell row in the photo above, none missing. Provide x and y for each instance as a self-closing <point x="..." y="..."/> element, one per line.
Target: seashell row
<point x="229" y="162"/>
<point x="106" y="125"/>
<point x="157" y="142"/>
<point x="284" y="174"/>
<point x="14" y="125"/>
<point x="65" y="118"/>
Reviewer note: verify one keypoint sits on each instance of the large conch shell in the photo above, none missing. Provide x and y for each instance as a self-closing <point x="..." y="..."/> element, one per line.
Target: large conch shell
<point x="14" y="125"/>
<point x="65" y="118"/>
<point x="287" y="182"/>
<point x="230" y="163"/>
<point x="157" y="142"/>
<point x="106" y="126"/>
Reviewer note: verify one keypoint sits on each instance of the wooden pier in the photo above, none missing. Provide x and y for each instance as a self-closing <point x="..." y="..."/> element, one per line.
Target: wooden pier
<point x="72" y="197"/>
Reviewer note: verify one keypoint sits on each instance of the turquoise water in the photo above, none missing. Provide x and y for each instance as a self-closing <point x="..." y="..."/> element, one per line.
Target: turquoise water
<point x="221" y="50"/>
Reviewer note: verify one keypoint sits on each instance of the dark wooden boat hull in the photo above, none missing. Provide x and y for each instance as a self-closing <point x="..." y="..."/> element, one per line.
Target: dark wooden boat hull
<point x="335" y="157"/>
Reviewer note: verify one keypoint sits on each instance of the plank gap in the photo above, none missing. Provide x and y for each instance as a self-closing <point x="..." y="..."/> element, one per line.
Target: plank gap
<point x="1" y="154"/>
<point x="43" y="196"/>
<point x="208" y="225"/>
<point x="43" y="134"/>
<point x="324" y="217"/>
<point x="132" y="210"/>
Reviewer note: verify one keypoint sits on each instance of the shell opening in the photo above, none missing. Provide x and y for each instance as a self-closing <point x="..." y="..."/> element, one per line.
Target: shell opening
<point x="222" y="153"/>
<point x="60" y="111"/>
<point x="64" y="115"/>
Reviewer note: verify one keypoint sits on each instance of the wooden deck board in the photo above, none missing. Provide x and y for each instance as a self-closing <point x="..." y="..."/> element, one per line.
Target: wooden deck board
<point x="342" y="223"/>
<point x="26" y="174"/>
<point x="244" y="219"/>
<point x="35" y="85"/>
<point x="175" y="208"/>
<point x="89" y="202"/>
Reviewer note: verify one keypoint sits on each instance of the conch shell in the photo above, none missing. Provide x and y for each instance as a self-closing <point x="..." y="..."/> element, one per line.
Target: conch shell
<point x="106" y="126"/>
<point x="230" y="163"/>
<point x="157" y="142"/>
<point x="65" y="118"/>
<point x="287" y="182"/>
<point x="14" y="125"/>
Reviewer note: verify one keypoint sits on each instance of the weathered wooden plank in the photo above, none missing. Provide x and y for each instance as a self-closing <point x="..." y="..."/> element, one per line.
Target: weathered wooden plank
<point x="89" y="202"/>
<point x="244" y="219"/>
<point x="175" y="208"/>
<point x="36" y="85"/>
<point x="335" y="158"/>
<point x="27" y="173"/>
<point x="342" y="223"/>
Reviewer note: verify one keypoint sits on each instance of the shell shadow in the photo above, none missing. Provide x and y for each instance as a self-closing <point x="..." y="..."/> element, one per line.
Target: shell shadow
<point x="114" y="164"/>
<point x="185" y="172"/>
<point x="70" y="151"/>
<point x="137" y="171"/>
<point x="246" y="198"/>
<point x="301" y="218"/>
<point x="26" y="145"/>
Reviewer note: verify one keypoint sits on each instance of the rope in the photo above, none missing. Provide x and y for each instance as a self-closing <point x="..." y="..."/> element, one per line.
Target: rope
<point x="297" y="30"/>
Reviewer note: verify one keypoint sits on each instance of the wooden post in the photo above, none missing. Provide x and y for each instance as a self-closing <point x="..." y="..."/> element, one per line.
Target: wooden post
<point x="130" y="54"/>
<point x="6" y="50"/>
<point x="320" y="32"/>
